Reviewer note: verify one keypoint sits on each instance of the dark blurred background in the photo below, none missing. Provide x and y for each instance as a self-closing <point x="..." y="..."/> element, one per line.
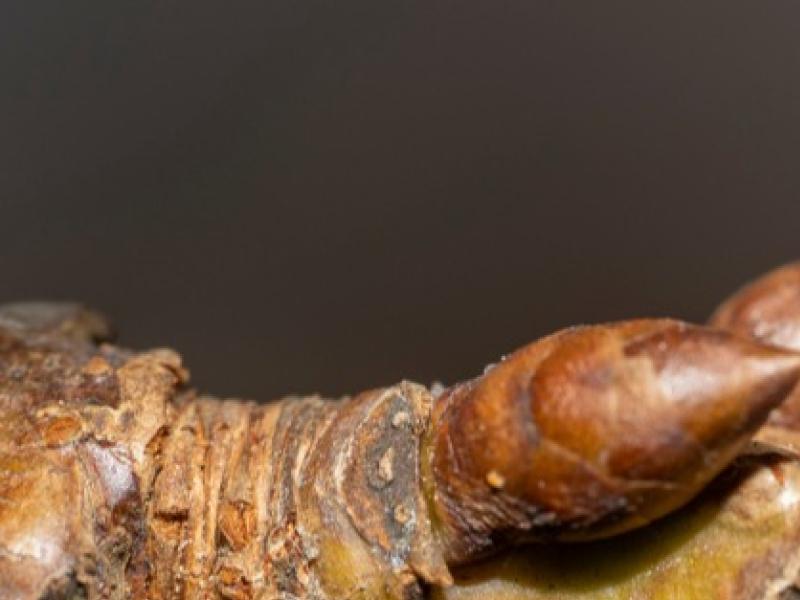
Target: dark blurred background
<point x="307" y="195"/>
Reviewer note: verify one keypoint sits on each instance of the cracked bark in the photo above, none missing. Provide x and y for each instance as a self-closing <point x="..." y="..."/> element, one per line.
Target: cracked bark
<point x="117" y="480"/>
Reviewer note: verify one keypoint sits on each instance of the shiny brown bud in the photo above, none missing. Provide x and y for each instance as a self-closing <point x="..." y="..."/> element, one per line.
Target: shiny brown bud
<point x="595" y="431"/>
<point x="768" y="310"/>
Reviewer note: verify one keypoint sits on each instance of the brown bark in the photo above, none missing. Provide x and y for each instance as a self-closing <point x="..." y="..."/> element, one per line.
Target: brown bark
<point x="119" y="481"/>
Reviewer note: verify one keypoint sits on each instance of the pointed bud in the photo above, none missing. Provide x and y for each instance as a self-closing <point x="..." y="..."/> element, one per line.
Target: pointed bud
<point x="768" y="310"/>
<point x="597" y="430"/>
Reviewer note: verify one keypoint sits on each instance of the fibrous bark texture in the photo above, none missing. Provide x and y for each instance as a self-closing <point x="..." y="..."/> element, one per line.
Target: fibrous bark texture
<point x="118" y="481"/>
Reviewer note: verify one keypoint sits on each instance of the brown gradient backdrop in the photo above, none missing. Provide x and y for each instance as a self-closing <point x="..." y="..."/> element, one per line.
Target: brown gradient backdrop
<point x="309" y="195"/>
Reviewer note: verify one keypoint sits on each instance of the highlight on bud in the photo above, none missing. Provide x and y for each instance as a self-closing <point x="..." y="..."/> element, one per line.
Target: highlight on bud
<point x="596" y="430"/>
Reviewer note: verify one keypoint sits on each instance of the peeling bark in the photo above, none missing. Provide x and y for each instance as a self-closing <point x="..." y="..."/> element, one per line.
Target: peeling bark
<point x="117" y="480"/>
